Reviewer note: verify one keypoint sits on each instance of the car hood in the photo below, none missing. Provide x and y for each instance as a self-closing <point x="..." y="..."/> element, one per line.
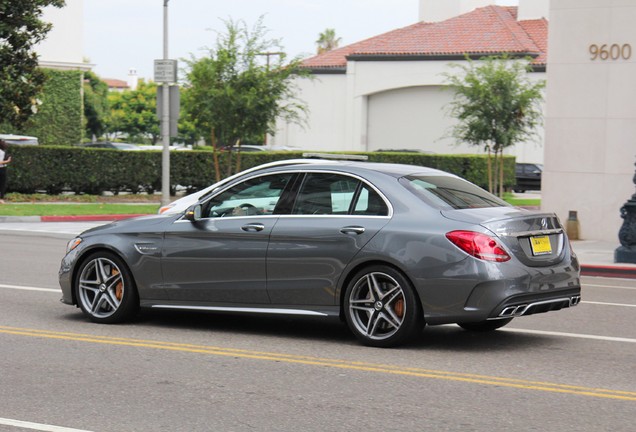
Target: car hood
<point x="137" y="224"/>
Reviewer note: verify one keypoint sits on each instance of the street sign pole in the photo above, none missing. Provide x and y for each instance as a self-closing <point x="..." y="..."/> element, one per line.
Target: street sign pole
<point x="165" y="119"/>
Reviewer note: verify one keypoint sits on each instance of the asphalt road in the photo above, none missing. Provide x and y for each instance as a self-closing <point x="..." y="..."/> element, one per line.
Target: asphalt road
<point x="572" y="370"/>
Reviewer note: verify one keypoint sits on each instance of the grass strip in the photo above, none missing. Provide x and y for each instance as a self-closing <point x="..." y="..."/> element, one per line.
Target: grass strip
<point x="37" y="209"/>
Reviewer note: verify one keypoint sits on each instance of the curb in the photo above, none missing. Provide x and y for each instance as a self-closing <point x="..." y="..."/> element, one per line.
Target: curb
<point x="608" y="271"/>
<point x="80" y="218"/>
<point x="89" y="218"/>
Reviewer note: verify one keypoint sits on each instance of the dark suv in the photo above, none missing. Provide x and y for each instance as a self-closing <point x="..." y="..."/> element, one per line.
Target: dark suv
<point x="528" y="176"/>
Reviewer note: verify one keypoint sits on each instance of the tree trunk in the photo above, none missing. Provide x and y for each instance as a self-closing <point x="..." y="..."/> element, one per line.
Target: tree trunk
<point x="501" y="175"/>
<point x="215" y="157"/>
<point x="238" y="155"/>
<point x="489" y="172"/>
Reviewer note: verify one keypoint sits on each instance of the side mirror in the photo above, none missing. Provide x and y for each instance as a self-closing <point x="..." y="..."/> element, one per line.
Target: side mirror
<point x="193" y="214"/>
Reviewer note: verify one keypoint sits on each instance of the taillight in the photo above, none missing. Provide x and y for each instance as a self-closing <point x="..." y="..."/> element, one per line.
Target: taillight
<point x="478" y="245"/>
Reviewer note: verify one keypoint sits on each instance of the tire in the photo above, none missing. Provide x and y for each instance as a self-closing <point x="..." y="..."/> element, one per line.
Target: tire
<point x="105" y="290"/>
<point x="381" y="308"/>
<point x="485" y="326"/>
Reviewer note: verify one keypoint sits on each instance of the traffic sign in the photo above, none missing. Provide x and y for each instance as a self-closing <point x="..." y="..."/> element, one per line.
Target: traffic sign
<point x="165" y="71"/>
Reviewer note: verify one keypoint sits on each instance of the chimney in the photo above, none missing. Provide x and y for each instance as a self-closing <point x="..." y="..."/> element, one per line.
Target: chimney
<point x="133" y="79"/>
<point x="533" y="9"/>
<point x="441" y="10"/>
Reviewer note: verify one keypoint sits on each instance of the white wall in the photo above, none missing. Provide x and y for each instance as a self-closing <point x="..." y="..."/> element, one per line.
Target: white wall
<point x="325" y="96"/>
<point x="64" y="45"/>
<point x="384" y="104"/>
<point x="411" y="118"/>
<point x="591" y="122"/>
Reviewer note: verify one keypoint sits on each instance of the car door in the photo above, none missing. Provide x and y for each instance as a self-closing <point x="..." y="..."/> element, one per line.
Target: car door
<point x="221" y="258"/>
<point x="333" y="217"/>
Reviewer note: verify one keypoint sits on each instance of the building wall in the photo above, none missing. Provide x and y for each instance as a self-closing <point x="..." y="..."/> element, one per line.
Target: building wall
<point x="325" y="97"/>
<point x="384" y="105"/>
<point x="591" y="114"/>
<point x="63" y="47"/>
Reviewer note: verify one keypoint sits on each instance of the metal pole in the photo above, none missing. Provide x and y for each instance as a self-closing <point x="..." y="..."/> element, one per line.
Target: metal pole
<point x="165" y="119"/>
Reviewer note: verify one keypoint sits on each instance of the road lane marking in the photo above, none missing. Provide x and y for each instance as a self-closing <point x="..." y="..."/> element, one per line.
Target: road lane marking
<point x="327" y="362"/>
<point x="37" y="426"/>
<point x="585" y="285"/>
<point x="609" y="304"/>
<point x="572" y="335"/>
<point x="28" y="288"/>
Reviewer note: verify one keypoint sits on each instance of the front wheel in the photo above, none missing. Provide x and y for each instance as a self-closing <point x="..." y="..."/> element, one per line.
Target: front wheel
<point x="105" y="289"/>
<point x="381" y="307"/>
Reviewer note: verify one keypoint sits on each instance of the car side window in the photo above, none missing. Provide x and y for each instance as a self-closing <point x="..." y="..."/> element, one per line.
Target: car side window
<point x="256" y="196"/>
<point x="370" y="203"/>
<point x="335" y="194"/>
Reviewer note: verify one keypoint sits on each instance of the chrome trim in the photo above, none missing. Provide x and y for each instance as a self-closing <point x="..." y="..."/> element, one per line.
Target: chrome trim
<point x="243" y="310"/>
<point x="520" y="310"/>
<point x="227" y="186"/>
<point x="533" y="233"/>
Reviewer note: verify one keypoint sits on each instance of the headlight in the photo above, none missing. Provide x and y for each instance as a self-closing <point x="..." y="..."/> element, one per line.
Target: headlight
<point x="73" y="244"/>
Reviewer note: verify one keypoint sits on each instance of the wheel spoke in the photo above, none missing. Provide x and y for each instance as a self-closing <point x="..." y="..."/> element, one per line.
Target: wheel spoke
<point x="374" y="287"/>
<point x="98" y="301"/>
<point x="102" y="274"/>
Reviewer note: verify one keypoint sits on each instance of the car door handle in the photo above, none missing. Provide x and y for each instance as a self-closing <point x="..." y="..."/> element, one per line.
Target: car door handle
<point x="253" y="227"/>
<point x="357" y="230"/>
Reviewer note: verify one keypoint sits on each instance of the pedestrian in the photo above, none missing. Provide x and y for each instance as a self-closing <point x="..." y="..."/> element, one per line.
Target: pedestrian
<point x="4" y="161"/>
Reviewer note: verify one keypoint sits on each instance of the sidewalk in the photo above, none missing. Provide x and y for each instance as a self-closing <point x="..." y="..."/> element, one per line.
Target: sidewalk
<point x="597" y="259"/>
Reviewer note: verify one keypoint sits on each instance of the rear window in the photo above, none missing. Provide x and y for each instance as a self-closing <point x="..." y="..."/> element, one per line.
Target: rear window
<point x="446" y="192"/>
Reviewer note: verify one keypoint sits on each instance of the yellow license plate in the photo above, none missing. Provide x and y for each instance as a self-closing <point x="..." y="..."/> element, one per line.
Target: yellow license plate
<point x="540" y="245"/>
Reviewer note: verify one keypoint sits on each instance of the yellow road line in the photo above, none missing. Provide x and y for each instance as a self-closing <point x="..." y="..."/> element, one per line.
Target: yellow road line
<point x="326" y="362"/>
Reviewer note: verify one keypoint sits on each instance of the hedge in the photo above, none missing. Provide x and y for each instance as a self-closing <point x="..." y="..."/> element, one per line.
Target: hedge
<point x="93" y="171"/>
<point x="60" y="118"/>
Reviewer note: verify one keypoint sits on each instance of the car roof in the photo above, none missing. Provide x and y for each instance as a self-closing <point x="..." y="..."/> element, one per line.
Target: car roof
<point x="392" y="169"/>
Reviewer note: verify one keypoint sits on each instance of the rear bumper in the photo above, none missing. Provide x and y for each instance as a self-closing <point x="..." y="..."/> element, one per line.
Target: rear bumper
<point x="499" y="291"/>
<point x="524" y="305"/>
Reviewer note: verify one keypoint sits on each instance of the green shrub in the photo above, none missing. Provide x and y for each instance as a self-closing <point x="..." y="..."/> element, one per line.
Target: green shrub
<point x="60" y="118"/>
<point x="93" y="171"/>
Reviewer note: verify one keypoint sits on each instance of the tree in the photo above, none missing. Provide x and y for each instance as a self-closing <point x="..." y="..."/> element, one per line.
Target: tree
<point x="497" y="106"/>
<point x="20" y="79"/>
<point x="134" y="112"/>
<point x="234" y="95"/>
<point x="95" y="105"/>
<point x="327" y="41"/>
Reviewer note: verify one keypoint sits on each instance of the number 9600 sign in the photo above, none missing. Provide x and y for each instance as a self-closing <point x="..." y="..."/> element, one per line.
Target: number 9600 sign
<point x="610" y="52"/>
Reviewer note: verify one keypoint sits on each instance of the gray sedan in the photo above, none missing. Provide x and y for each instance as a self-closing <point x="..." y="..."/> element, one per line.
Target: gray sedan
<point x="387" y="248"/>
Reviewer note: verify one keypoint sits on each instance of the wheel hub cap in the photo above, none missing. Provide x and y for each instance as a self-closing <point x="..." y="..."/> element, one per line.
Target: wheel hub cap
<point x="102" y="288"/>
<point x="378" y="306"/>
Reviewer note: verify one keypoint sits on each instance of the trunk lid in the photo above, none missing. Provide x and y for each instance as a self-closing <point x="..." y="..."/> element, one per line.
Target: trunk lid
<point x="537" y="239"/>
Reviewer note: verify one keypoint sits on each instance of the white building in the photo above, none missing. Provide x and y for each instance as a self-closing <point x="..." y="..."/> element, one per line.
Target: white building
<point x="388" y="92"/>
<point x="590" y="146"/>
<point x="63" y="47"/>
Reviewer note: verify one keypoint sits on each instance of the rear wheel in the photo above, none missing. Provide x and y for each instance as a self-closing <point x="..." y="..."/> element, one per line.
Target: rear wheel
<point x="485" y="326"/>
<point x="105" y="289"/>
<point x="381" y="307"/>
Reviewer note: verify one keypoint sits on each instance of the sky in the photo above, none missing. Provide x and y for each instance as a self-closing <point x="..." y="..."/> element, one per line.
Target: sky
<point x="125" y="34"/>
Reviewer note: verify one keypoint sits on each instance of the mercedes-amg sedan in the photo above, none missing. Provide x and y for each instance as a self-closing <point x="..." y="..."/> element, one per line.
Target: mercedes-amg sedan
<point x="388" y="248"/>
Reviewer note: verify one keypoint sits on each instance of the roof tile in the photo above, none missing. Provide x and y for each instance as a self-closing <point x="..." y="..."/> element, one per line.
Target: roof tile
<point x="487" y="30"/>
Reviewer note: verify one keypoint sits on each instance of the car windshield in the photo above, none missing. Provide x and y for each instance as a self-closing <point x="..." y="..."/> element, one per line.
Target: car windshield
<point x="445" y="192"/>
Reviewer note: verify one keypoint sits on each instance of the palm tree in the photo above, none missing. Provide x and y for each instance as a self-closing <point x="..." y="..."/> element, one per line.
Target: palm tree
<point x="327" y="41"/>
